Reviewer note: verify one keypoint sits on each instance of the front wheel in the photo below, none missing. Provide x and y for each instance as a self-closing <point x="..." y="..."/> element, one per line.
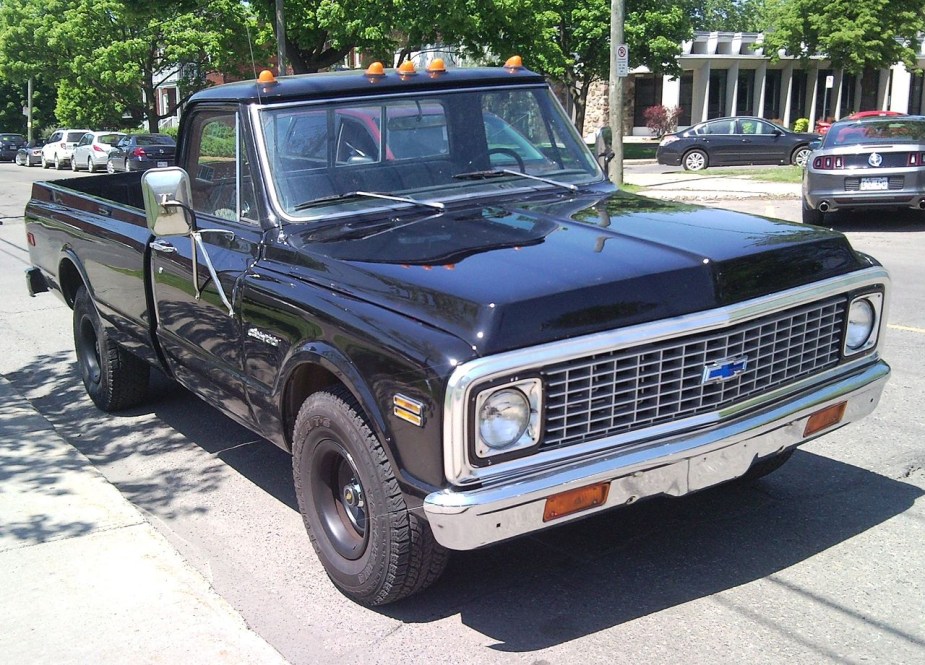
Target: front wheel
<point x="58" y="163"/>
<point x="800" y="156"/>
<point x="372" y="547"/>
<point x="695" y="160"/>
<point x="114" y="378"/>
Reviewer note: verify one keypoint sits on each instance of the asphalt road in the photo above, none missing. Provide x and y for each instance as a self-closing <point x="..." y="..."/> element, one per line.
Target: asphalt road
<point x="820" y="562"/>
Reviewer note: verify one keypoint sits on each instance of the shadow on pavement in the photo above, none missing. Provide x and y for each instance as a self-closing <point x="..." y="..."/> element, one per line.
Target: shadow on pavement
<point x="534" y="592"/>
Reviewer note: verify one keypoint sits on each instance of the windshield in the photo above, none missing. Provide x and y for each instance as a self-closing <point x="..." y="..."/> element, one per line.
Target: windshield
<point x="416" y="146"/>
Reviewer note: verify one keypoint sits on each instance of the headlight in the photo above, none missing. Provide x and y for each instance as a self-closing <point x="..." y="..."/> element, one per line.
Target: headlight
<point x="507" y="419"/>
<point x="503" y="418"/>
<point x="863" y="320"/>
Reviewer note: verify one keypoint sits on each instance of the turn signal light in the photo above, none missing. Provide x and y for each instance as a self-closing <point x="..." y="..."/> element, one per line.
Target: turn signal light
<point x="826" y="418"/>
<point x="574" y="501"/>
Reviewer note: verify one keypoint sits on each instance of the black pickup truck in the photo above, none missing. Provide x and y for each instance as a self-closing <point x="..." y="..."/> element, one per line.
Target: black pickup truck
<point x="423" y="286"/>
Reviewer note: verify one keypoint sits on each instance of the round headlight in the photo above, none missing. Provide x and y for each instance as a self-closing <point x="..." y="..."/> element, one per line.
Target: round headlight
<point x="503" y="418"/>
<point x="860" y="324"/>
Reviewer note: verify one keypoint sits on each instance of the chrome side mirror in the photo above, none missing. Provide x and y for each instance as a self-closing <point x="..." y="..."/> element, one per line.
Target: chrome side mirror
<point x="168" y="199"/>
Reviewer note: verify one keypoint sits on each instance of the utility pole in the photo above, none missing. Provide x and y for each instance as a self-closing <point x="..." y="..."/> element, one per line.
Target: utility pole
<point x="29" y="111"/>
<point x="280" y="39"/>
<point x="615" y="169"/>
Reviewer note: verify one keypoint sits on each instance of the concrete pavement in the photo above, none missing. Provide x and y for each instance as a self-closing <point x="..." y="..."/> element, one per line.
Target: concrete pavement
<point x="84" y="577"/>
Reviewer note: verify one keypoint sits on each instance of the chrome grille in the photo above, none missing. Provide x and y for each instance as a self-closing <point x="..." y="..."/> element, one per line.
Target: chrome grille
<point x="629" y="389"/>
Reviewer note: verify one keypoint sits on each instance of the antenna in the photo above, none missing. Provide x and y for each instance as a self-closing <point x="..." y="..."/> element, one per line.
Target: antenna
<point x="250" y="46"/>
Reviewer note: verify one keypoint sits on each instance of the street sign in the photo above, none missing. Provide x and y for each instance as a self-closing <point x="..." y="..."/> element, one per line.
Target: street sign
<point x="623" y="61"/>
<point x="829" y="81"/>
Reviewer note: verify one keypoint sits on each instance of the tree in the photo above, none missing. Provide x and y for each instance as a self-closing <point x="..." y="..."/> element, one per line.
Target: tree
<point x="853" y="35"/>
<point x="569" y="40"/>
<point x="729" y="15"/>
<point x="14" y="97"/>
<point x="108" y="57"/>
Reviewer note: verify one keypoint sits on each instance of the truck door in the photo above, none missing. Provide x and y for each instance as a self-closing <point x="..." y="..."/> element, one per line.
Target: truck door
<point x="200" y="338"/>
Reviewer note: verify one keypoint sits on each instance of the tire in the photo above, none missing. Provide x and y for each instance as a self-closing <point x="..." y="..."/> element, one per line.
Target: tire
<point x="114" y="378"/>
<point x="91" y="167"/>
<point x="812" y="216"/>
<point x="695" y="160"/>
<point x="57" y="163"/>
<point x="372" y="547"/>
<point x="800" y="156"/>
<point x="44" y="163"/>
<point x="110" y="168"/>
<point x="73" y="165"/>
<point x="767" y="465"/>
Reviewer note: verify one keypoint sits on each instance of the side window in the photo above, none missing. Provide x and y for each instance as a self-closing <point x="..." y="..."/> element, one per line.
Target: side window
<point x="85" y="139"/>
<point x="720" y="127"/>
<point x="220" y="173"/>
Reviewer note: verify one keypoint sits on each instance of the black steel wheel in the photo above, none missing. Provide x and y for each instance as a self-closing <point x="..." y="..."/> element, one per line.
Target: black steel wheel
<point x="372" y="547"/>
<point x="114" y="378"/>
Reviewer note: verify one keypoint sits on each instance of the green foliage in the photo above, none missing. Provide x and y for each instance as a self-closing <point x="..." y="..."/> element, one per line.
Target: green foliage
<point x="729" y="15"/>
<point x="108" y="57"/>
<point x="13" y="98"/>
<point x="801" y="125"/>
<point x="854" y="35"/>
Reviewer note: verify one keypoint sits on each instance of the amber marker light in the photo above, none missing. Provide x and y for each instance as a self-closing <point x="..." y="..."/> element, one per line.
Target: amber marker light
<point x="826" y="418"/>
<point x="574" y="501"/>
<point x="514" y="63"/>
<point x="375" y="71"/>
<point x="266" y="78"/>
<point x="437" y="67"/>
<point x="407" y="69"/>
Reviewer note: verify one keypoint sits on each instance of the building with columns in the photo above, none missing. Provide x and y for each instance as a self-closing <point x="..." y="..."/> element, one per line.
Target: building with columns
<point x="728" y="74"/>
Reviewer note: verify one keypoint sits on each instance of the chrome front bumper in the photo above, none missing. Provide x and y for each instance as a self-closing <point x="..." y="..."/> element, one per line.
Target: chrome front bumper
<point x="467" y="519"/>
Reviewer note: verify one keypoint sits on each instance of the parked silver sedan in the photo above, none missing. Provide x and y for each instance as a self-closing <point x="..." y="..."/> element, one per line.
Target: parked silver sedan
<point x="92" y="151"/>
<point x="866" y="164"/>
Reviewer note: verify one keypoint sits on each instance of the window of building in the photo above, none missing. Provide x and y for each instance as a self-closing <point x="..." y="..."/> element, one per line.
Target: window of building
<point x="716" y="106"/>
<point x="648" y="92"/>
<point x="772" y="96"/>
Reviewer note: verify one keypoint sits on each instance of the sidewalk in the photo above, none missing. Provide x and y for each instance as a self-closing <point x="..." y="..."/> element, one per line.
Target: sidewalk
<point x="84" y="578"/>
<point x="682" y="186"/>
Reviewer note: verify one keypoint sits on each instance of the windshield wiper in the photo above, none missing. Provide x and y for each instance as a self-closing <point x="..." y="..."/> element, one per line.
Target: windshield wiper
<point x="373" y="195"/>
<point x="495" y="173"/>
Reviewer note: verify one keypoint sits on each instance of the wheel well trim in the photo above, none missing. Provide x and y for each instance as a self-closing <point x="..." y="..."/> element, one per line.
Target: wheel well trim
<point x="67" y="286"/>
<point x="334" y="362"/>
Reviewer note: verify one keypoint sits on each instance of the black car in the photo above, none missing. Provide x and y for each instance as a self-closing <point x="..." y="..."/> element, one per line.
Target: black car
<point x="10" y="145"/>
<point x="31" y="153"/>
<point x="734" y="141"/>
<point x="140" y="152"/>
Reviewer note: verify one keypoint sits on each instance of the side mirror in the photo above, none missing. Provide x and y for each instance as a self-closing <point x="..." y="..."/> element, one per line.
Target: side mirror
<point x="603" y="147"/>
<point x="168" y="197"/>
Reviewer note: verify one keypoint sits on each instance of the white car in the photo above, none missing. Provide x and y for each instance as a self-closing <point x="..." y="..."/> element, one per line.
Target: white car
<point x="92" y="151"/>
<point x="57" y="152"/>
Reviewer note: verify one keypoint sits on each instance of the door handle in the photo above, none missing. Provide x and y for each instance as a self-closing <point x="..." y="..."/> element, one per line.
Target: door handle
<point x="163" y="246"/>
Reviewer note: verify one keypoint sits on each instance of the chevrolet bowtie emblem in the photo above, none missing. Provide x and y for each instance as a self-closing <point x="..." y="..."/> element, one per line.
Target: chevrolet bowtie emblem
<point x="724" y="370"/>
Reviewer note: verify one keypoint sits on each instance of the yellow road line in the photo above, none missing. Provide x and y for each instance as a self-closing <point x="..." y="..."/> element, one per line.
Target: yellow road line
<point x="893" y="326"/>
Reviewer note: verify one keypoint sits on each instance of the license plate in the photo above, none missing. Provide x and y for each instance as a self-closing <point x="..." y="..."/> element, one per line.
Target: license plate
<point x="161" y="165"/>
<point x="874" y="184"/>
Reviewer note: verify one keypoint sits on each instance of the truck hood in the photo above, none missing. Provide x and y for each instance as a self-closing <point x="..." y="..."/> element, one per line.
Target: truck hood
<point x="514" y="274"/>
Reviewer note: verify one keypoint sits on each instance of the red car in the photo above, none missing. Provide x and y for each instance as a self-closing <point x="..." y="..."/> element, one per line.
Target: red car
<point x="822" y="126"/>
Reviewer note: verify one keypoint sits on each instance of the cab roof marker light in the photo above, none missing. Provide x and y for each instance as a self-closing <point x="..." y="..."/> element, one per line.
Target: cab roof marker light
<point x="407" y="69"/>
<point x="375" y="71"/>
<point x="514" y="63"/>
<point x="436" y="67"/>
<point x="266" y="79"/>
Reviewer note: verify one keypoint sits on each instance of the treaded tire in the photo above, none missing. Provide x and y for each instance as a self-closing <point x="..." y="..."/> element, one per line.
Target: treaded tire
<point x="114" y="378"/>
<point x="812" y="216"/>
<point x="374" y="550"/>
